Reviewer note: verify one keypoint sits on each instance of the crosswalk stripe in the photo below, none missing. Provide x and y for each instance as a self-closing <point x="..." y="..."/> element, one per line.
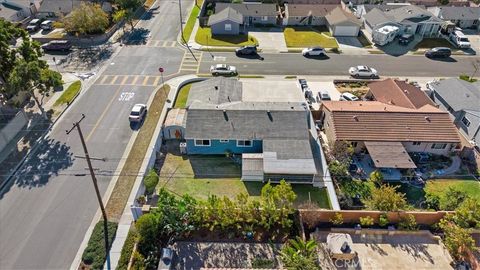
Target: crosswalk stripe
<point x="189" y="69"/>
<point x="145" y="80"/>
<point x="124" y="80"/>
<point x="103" y="79"/>
<point x="135" y="80"/>
<point x="114" y="79"/>
<point x="156" y="81"/>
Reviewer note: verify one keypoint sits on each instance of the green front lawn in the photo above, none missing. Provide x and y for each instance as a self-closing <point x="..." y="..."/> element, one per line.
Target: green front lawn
<point x="440" y="186"/>
<point x="204" y="37"/>
<point x="182" y="96"/>
<point x="428" y="43"/>
<point x="187" y="30"/>
<point x="69" y="94"/>
<point x="201" y="176"/>
<point x="308" y="37"/>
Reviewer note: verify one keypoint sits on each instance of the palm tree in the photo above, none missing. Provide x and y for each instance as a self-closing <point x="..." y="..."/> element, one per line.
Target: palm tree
<point x="298" y="254"/>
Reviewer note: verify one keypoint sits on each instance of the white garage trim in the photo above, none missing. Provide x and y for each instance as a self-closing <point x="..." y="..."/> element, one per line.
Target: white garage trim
<point x="346" y="31"/>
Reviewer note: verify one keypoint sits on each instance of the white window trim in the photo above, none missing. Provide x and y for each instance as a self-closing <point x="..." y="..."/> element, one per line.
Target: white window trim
<point x="229" y="28"/>
<point x="264" y="18"/>
<point x="224" y="141"/>
<point x="195" y="142"/>
<point x="437" y="148"/>
<point x="251" y="143"/>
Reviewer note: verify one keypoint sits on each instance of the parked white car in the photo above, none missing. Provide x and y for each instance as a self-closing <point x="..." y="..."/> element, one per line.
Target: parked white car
<point x="348" y="97"/>
<point x="138" y="113"/>
<point x="460" y="39"/>
<point x="363" y="71"/>
<point x="223" y="69"/>
<point x="313" y="51"/>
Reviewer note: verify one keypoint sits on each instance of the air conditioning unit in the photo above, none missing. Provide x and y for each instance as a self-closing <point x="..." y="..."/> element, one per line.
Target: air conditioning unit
<point x="183" y="148"/>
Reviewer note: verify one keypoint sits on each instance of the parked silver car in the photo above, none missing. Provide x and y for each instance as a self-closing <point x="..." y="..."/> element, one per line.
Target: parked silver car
<point x="138" y="113"/>
<point x="363" y="71"/>
<point x="223" y="69"/>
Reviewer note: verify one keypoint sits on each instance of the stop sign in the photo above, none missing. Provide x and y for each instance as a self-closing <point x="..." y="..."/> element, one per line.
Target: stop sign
<point x="161" y="69"/>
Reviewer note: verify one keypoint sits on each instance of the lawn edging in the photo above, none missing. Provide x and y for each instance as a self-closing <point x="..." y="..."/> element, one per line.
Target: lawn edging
<point x="69" y="94"/>
<point x="148" y="161"/>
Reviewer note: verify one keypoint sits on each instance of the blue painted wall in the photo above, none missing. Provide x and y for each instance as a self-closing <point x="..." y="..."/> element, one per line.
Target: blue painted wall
<point x="218" y="148"/>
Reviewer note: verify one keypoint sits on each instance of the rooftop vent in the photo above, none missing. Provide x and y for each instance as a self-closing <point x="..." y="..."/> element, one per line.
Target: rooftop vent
<point x="355" y="118"/>
<point x="427" y="118"/>
<point x="216" y="87"/>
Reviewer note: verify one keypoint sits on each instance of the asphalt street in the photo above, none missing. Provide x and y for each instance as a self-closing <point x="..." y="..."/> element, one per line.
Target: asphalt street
<point x="338" y="64"/>
<point x="46" y="210"/>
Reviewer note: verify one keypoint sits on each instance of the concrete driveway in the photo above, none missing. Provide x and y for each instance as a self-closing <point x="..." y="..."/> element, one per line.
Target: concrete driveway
<point x="270" y="40"/>
<point x="474" y="39"/>
<point x="349" y="43"/>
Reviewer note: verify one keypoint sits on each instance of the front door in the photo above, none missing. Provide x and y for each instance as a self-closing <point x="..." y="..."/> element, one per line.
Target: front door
<point x="250" y="20"/>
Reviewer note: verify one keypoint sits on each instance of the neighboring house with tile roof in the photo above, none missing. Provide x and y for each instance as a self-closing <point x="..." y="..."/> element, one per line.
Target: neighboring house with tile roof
<point x="342" y="23"/>
<point x="409" y="19"/>
<point x="399" y="93"/>
<point x="273" y="138"/>
<point x="463" y="17"/>
<point x="307" y="14"/>
<point x="226" y="22"/>
<point x="253" y="13"/>
<point x="462" y="100"/>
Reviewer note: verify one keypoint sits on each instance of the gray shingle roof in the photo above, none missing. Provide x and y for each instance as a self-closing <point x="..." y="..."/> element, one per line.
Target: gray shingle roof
<point x="215" y="91"/>
<point x="224" y="15"/>
<point x="412" y="11"/>
<point x="249" y="9"/>
<point x="64" y="6"/>
<point x="288" y="156"/>
<point x="460" y="13"/>
<point x="246" y="124"/>
<point x="289" y="149"/>
<point x="369" y="7"/>
<point x="459" y="94"/>
<point x="376" y="17"/>
<point x="338" y="15"/>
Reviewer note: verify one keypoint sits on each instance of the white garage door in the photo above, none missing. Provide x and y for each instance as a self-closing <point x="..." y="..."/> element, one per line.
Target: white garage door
<point x="346" y="31"/>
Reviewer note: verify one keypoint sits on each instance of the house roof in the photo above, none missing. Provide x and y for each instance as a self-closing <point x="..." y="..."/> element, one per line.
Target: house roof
<point x="175" y="117"/>
<point x="297" y="10"/>
<point x="7" y="11"/>
<point x="376" y="17"/>
<point x="216" y="90"/>
<point x="377" y="121"/>
<point x="249" y="9"/>
<point x="339" y="16"/>
<point x="226" y="14"/>
<point x="412" y="13"/>
<point x="431" y="3"/>
<point x="246" y="124"/>
<point x="389" y="155"/>
<point x="459" y="94"/>
<point x="63" y="6"/>
<point x="369" y="7"/>
<point x="400" y="93"/>
<point x="288" y="156"/>
<point x="459" y="13"/>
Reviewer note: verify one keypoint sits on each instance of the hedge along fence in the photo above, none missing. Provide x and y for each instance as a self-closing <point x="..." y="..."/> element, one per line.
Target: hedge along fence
<point x="313" y="218"/>
<point x="94" y="255"/>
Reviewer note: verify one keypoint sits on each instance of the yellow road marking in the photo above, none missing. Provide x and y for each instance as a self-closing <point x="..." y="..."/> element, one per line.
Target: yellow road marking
<point x="135" y="80"/>
<point x="104" y="78"/>
<point x="145" y="80"/>
<point x="124" y="80"/>
<point x="115" y="96"/>
<point x="189" y="69"/>
<point x="114" y="79"/>
<point x="199" y="61"/>
<point x="155" y="83"/>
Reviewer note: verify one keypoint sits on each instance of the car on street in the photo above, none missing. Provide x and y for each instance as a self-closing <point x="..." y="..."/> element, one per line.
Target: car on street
<point x="348" y="97"/>
<point x="438" y="52"/>
<point x="314" y="51"/>
<point x="223" y="69"/>
<point x="363" y="71"/>
<point x="405" y="39"/>
<point x="246" y="50"/>
<point x="166" y="259"/>
<point x="323" y="95"/>
<point x="47" y="25"/>
<point x="138" y="113"/>
<point x="34" y="25"/>
<point x="57" y="45"/>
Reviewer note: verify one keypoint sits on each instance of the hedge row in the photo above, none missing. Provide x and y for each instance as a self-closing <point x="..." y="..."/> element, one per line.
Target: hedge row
<point x="94" y="254"/>
<point x="127" y="249"/>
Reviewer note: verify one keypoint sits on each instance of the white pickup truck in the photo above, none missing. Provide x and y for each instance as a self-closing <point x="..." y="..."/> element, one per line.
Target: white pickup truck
<point x="460" y="39"/>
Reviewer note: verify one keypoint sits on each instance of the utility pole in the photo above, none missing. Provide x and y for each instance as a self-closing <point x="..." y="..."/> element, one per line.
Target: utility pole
<point x="181" y="30"/>
<point x="94" y="180"/>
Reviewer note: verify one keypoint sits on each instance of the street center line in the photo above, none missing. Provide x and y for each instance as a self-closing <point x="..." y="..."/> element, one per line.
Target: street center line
<point x="114" y="97"/>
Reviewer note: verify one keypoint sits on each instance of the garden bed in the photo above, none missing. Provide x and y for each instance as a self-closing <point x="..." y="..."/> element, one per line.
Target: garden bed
<point x="359" y="89"/>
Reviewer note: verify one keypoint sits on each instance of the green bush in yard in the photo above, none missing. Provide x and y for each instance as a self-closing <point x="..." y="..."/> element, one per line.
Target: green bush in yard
<point x="408" y="223"/>
<point x="366" y="221"/>
<point x="94" y="254"/>
<point x="150" y="181"/>
<point x="383" y="220"/>
<point x="127" y="249"/>
<point x="259" y="263"/>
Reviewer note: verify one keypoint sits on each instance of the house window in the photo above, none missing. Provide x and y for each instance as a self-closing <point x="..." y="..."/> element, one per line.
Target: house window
<point x="439" y="146"/>
<point x="465" y="121"/>
<point x="228" y="27"/>
<point x="416" y="143"/>
<point x="354" y="144"/>
<point x="244" y="143"/>
<point x="201" y="142"/>
<point x="264" y="18"/>
<point x="475" y="22"/>
<point x="224" y="141"/>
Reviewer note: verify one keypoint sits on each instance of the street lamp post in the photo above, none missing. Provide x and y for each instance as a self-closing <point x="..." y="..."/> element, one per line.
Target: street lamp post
<point x="161" y="69"/>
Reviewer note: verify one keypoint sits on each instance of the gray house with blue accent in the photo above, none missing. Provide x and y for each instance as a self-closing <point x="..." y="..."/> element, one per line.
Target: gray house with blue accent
<point x="462" y="100"/>
<point x="273" y="138"/>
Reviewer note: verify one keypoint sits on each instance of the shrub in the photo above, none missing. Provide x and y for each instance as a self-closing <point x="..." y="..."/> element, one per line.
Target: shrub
<point x="383" y="220"/>
<point x="127" y="249"/>
<point x="148" y="232"/>
<point x="337" y="219"/>
<point x="138" y="261"/>
<point x="150" y="181"/>
<point x="258" y="263"/>
<point x="366" y="221"/>
<point x="94" y="254"/>
<point x="408" y="223"/>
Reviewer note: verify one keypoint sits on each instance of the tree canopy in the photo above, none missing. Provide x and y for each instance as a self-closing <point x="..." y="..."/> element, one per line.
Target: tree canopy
<point x="298" y="254"/>
<point x="127" y="9"/>
<point x="88" y="18"/>
<point x="386" y="198"/>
